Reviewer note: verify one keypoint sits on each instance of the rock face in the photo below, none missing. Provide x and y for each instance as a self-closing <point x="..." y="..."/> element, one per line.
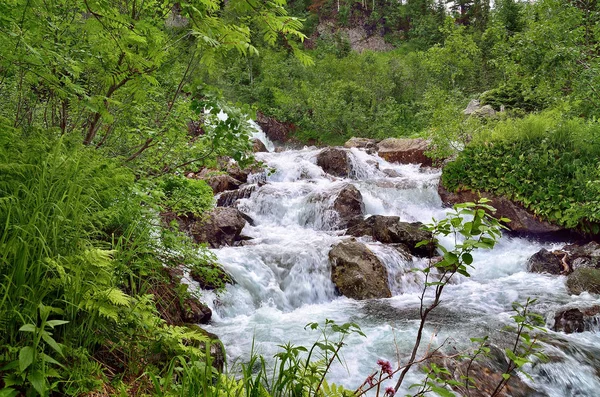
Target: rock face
<point x="348" y="204"/>
<point x="258" y="146"/>
<point x="221" y="183"/>
<point x="522" y="222"/>
<point x="357" y="272"/>
<point x="370" y="145"/>
<point x="574" y="320"/>
<point x="275" y="130"/>
<point x="389" y="230"/>
<point x="584" y="280"/>
<point x="229" y="198"/>
<point x="404" y="151"/>
<point x="222" y="227"/>
<point x="545" y="261"/>
<point x="334" y="161"/>
<point x="216" y="350"/>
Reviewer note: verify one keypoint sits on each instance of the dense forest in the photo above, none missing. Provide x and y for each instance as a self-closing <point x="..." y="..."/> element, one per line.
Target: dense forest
<point x="106" y="106"/>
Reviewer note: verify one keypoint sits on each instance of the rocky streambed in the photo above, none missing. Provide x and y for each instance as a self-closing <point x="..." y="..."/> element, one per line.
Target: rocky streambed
<point x="330" y="234"/>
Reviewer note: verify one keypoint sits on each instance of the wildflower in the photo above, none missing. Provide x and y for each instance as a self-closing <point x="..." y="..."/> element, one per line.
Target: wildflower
<point x="389" y="391"/>
<point x="370" y="380"/>
<point x="386" y="367"/>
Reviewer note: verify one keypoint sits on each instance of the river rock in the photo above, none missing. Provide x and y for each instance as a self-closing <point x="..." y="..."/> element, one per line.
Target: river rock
<point x="274" y="129"/>
<point x="545" y="261"/>
<point x="221" y="227"/>
<point x="404" y="151"/>
<point x="583" y="256"/>
<point x="390" y="230"/>
<point x="334" y="161"/>
<point x="575" y="320"/>
<point x="357" y="272"/>
<point x="258" y="146"/>
<point x="370" y="145"/>
<point x="229" y="198"/>
<point x="522" y="222"/>
<point x="584" y="280"/>
<point x="221" y="183"/>
<point x="348" y="204"/>
<point x="211" y="277"/>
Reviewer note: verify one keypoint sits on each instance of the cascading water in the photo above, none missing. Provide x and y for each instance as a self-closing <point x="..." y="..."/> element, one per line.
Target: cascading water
<point x="283" y="277"/>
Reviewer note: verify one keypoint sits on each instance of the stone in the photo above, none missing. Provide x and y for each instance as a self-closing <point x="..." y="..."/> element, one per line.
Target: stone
<point x="334" y="161"/>
<point x="584" y="280"/>
<point x="274" y="129"/>
<point x="545" y="261"/>
<point x="370" y="145"/>
<point x="583" y="256"/>
<point x="391" y="173"/>
<point x="221" y="183"/>
<point x="212" y="277"/>
<point x="390" y="230"/>
<point x="522" y="222"/>
<point x="357" y="273"/>
<point x="195" y="312"/>
<point x="258" y="146"/>
<point x="473" y="106"/>
<point x="216" y="349"/>
<point x="404" y="151"/>
<point x="576" y="319"/>
<point x="348" y="204"/>
<point x="229" y="198"/>
<point x="222" y="227"/>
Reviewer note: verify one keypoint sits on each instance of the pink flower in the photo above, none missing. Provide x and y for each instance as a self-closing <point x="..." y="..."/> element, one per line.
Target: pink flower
<point x="390" y="392"/>
<point x="386" y="367"/>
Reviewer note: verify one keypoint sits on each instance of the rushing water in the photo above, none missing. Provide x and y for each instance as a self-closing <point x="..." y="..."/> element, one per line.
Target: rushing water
<point x="283" y="277"/>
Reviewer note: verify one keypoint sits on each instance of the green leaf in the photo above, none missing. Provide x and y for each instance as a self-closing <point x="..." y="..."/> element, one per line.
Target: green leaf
<point x="467" y="258"/>
<point x="8" y="392"/>
<point x="54" y="323"/>
<point x="26" y="356"/>
<point x="52" y="343"/>
<point x="441" y="391"/>
<point x="37" y="381"/>
<point x="28" y="328"/>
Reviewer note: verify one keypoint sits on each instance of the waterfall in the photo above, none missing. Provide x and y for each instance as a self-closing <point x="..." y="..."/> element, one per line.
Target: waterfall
<point x="283" y="276"/>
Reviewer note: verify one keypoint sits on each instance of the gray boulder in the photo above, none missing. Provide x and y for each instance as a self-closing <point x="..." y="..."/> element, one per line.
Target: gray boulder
<point x="357" y="272"/>
<point x="334" y="161"/>
<point x="258" y="146"/>
<point x="404" y="151"/>
<point x="584" y="280"/>
<point x="545" y="261"/>
<point x="390" y="230"/>
<point x="370" y="145"/>
<point x="348" y="204"/>
<point x="221" y="227"/>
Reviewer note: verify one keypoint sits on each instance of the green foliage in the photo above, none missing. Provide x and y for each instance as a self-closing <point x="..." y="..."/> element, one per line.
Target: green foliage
<point x="186" y="196"/>
<point x="546" y="162"/>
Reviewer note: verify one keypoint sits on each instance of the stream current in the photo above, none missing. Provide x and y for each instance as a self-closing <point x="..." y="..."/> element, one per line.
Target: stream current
<point x="283" y="278"/>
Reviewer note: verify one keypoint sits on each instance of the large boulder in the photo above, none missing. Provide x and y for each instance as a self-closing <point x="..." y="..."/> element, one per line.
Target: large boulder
<point x="575" y="320"/>
<point x="522" y="222"/>
<point x="545" y="261"/>
<point x="584" y="280"/>
<point x="583" y="256"/>
<point x="334" y="161"/>
<point x="474" y="108"/>
<point x="348" y="204"/>
<point x="220" y="183"/>
<point x="229" y="198"/>
<point x="221" y="227"/>
<point x="357" y="272"/>
<point x="274" y="129"/>
<point x="390" y="230"/>
<point x="404" y="151"/>
<point x="370" y="145"/>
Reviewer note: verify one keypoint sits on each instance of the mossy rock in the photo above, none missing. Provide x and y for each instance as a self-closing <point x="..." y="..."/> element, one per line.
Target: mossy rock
<point x="217" y="350"/>
<point x="584" y="280"/>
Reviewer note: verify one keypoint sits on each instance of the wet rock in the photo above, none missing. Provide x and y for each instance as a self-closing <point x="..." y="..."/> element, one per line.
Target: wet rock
<point x="576" y="319"/>
<point x="390" y="230"/>
<point x="391" y="173"/>
<point x="334" y="161"/>
<point x="370" y="145"/>
<point x="404" y="151"/>
<point x="274" y="129"/>
<point x="569" y="321"/>
<point x="258" y="146"/>
<point x="357" y="272"/>
<point x="221" y="226"/>
<point x="221" y="183"/>
<point x="545" y="261"/>
<point x="229" y="198"/>
<point x="348" y="204"/>
<point x="522" y="222"/>
<point x="584" y="280"/>
<point x="486" y="373"/>
<point x="195" y="312"/>
<point x="211" y="277"/>
<point x="583" y="256"/>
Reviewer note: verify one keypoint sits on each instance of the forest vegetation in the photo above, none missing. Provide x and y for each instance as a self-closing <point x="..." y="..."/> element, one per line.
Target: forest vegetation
<point x="106" y="104"/>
